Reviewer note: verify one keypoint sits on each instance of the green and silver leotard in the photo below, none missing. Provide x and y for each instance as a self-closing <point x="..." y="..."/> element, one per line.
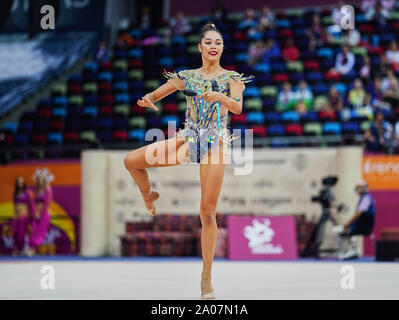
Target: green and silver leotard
<point x="201" y="129"/>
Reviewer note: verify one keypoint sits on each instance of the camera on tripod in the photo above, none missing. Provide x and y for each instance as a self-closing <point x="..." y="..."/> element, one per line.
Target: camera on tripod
<point x="325" y="196"/>
<point x="326" y="199"/>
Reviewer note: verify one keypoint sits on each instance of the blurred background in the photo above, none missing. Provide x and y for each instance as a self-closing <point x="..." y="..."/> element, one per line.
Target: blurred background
<point x="324" y="102"/>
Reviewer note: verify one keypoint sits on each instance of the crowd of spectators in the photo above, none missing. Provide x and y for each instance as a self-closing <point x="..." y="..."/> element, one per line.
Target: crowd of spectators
<point x="374" y="92"/>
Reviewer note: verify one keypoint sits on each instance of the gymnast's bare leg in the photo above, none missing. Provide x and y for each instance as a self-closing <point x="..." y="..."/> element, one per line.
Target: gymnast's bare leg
<point x="211" y="173"/>
<point x="171" y="152"/>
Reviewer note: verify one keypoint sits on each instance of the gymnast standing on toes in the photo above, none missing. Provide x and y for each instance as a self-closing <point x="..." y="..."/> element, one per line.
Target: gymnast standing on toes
<point x="211" y="92"/>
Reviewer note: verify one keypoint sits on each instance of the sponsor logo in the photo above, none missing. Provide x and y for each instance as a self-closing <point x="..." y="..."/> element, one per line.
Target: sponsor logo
<point x="260" y="236"/>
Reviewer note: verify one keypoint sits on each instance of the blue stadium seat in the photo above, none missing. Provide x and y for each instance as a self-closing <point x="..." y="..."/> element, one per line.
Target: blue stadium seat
<point x="136" y="33"/>
<point x="166" y="62"/>
<point x="326" y="53"/>
<point x="59" y="112"/>
<point x="272" y="117"/>
<point x="61" y="101"/>
<point x="310" y="116"/>
<point x="120" y="75"/>
<point x="105" y="123"/>
<point x="241" y="57"/>
<point x="332" y="128"/>
<point x="351" y="127"/>
<point x="252" y="92"/>
<point x="341" y="88"/>
<point x="91" y="66"/>
<point x="121" y="85"/>
<point x="278" y="67"/>
<point x="135" y="54"/>
<point x="55" y="137"/>
<point x="314" y="76"/>
<point x="90" y="99"/>
<point x="10" y="127"/>
<point x="262" y="67"/>
<point x="106" y="76"/>
<point x="290" y="116"/>
<point x="25" y="126"/>
<point x="137" y="135"/>
<point x="91" y="111"/>
<point x="122" y="98"/>
<point x="283" y="23"/>
<point x="179" y="40"/>
<point x="275" y="130"/>
<point x="320" y="89"/>
<point x="255" y="117"/>
<point x="21" y="139"/>
<point x="105" y="136"/>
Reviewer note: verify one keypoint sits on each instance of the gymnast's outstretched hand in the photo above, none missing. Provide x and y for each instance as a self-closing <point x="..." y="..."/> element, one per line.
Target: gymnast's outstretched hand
<point x="146" y="102"/>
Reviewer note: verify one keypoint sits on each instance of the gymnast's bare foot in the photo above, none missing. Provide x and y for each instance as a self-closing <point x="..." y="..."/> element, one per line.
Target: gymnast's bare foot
<point x="149" y="199"/>
<point x="207" y="291"/>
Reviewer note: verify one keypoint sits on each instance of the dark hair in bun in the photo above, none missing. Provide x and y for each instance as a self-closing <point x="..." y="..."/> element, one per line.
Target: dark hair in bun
<point x="206" y="28"/>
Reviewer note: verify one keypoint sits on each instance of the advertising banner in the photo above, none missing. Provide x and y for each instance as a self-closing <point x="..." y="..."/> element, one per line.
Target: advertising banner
<point x="276" y="182"/>
<point x="262" y="238"/>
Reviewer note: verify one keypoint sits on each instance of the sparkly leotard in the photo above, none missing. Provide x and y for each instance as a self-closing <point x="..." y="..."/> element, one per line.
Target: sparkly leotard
<point x="201" y="129"/>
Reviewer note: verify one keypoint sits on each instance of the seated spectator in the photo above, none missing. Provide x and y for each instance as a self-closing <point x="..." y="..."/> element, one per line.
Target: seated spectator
<point x="256" y="52"/>
<point x="286" y="98"/>
<point x="388" y="5"/>
<point x="376" y="93"/>
<point x="318" y="35"/>
<point x="392" y="95"/>
<point x="336" y="13"/>
<point x="378" y="13"/>
<point x="219" y="13"/>
<point x="102" y="52"/>
<point x="145" y="22"/>
<point x="301" y="107"/>
<point x="387" y="79"/>
<point x="352" y="37"/>
<point x="327" y="108"/>
<point x="357" y="94"/>
<point x="290" y="52"/>
<point x="272" y="50"/>
<point x="249" y="20"/>
<point x="335" y="99"/>
<point x="266" y="18"/>
<point x="304" y="93"/>
<point x="379" y="136"/>
<point x="365" y="70"/>
<point x="344" y="61"/>
<point x="180" y="25"/>
<point x="392" y="55"/>
<point x="368" y="4"/>
<point x="366" y="109"/>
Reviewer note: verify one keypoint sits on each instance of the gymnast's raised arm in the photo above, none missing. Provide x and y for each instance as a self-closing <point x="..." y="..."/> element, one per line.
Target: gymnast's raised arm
<point x="161" y="92"/>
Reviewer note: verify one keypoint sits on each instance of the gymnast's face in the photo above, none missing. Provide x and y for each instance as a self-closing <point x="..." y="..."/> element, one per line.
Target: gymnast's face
<point x="20" y="182"/>
<point x="211" y="46"/>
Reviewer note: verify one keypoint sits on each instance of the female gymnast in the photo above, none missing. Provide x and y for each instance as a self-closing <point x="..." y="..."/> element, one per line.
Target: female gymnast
<point x="24" y="209"/>
<point x="204" y="137"/>
<point x="41" y="218"/>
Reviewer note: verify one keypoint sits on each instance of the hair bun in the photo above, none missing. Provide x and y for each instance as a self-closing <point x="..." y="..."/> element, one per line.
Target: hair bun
<point x="209" y="27"/>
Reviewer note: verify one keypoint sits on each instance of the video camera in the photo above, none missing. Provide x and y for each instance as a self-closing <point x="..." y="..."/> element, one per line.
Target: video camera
<point x="325" y="196"/>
